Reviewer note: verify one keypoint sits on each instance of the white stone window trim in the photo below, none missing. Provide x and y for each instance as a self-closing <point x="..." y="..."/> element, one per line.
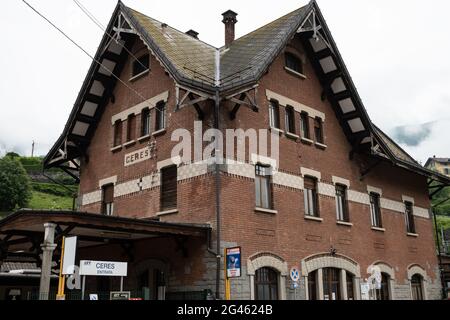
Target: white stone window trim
<point x="311" y="173"/>
<point x="312" y="218"/>
<point x="266" y="259"/>
<point x="408" y="199"/>
<point x="298" y="107"/>
<point x="296" y="73"/>
<point x="256" y="158"/>
<point x="264" y="210"/>
<point x="371" y="189"/>
<point x="137" y="109"/>
<point x="139" y="75"/>
<point x="341" y="181"/>
<point x="385" y="268"/>
<point x="169" y="162"/>
<point x="106" y="181"/>
<point x="414" y="269"/>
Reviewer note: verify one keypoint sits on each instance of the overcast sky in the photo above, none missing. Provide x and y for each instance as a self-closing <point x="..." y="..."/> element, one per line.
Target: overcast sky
<point x="397" y="52"/>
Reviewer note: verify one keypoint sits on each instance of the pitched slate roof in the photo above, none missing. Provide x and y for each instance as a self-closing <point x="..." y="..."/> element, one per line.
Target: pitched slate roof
<point x="198" y="65"/>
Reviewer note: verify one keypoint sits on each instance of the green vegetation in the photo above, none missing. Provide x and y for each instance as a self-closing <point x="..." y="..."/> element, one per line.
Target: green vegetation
<point x="443" y="222"/>
<point x="15" y="188"/>
<point x="53" y="190"/>
<point x="442" y="208"/>
<point x="42" y="200"/>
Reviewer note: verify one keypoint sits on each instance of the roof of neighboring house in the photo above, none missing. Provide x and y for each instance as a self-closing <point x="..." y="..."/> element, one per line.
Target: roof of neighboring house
<point x="439" y="160"/>
<point x="195" y="64"/>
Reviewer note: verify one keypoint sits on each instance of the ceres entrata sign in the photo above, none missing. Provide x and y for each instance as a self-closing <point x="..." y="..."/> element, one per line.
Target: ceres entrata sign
<point x="103" y="268"/>
<point x="137" y="156"/>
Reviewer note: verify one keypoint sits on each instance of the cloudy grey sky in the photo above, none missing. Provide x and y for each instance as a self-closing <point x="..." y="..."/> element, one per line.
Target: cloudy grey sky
<point x="396" y="51"/>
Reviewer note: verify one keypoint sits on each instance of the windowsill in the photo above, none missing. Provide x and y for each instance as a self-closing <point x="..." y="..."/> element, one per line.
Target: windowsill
<point x="414" y="235"/>
<point x="295" y="73"/>
<point x="167" y="212"/>
<point x="276" y="130"/>
<point x="116" y="148"/>
<point x="344" y="223"/>
<point x="140" y="75"/>
<point x="306" y="140"/>
<point x="129" y="143"/>
<point x="321" y="145"/>
<point x="378" y="229"/>
<point x="292" y="135"/>
<point x="263" y="210"/>
<point x="159" y="132"/>
<point x="143" y="138"/>
<point x="317" y="219"/>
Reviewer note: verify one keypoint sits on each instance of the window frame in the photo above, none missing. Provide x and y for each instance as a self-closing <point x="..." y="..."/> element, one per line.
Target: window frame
<point x="131" y="127"/>
<point x="160" y="116"/>
<point x="290" y="120"/>
<point x="145" y="122"/>
<point x="271" y="281"/>
<point x="274" y="114"/>
<point x="293" y="62"/>
<point x="136" y="67"/>
<point x="263" y="178"/>
<point x="117" y="133"/>
<point x="318" y="130"/>
<point x="342" y="211"/>
<point x="311" y="198"/>
<point x="376" y="219"/>
<point x="165" y="202"/>
<point x="107" y="207"/>
<point x="409" y="217"/>
<point x="304" y="125"/>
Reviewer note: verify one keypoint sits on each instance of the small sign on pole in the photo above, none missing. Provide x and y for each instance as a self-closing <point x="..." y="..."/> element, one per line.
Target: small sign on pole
<point x="120" y="295"/>
<point x="295" y="274"/>
<point x="233" y="259"/>
<point x="103" y="268"/>
<point x="70" y="248"/>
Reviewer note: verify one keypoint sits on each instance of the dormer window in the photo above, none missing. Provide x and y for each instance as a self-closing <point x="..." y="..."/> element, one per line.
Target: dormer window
<point x="293" y="63"/>
<point x="141" y="65"/>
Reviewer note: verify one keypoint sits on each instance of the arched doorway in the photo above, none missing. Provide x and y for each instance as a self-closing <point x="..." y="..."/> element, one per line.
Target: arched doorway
<point x="266" y="284"/>
<point x="417" y="287"/>
<point x="383" y="292"/>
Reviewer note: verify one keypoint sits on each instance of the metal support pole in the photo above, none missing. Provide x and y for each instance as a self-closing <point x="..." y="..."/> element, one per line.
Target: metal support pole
<point x="121" y="283"/>
<point x="83" y="285"/>
<point x="444" y="291"/>
<point x="47" y="253"/>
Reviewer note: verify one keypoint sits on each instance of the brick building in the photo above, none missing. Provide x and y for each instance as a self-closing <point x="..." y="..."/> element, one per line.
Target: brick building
<point x="341" y="197"/>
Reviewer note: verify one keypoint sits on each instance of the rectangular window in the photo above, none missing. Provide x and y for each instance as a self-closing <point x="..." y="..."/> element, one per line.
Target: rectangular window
<point x="318" y="130"/>
<point x="304" y="125"/>
<point x="140" y="65"/>
<point x="274" y="114"/>
<point x="409" y="216"/>
<point x="160" y="116"/>
<point x="263" y="189"/>
<point x="375" y="210"/>
<point x="310" y="197"/>
<point x="117" y="133"/>
<point x="341" y="203"/>
<point x="145" y="122"/>
<point x="169" y="188"/>
<point x="108" y="199"/>
<point x="131" y="127"/>
<point x="290" y="119"/>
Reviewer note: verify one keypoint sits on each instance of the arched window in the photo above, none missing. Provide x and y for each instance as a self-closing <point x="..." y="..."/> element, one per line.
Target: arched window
<point x="293" y="63"/>
<point x="416" y="287"/>
<point x="383" y="293"/>
<point x="266" y="284"/>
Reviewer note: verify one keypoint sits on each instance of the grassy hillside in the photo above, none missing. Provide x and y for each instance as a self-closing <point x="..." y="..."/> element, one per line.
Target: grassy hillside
<point x="41" y="200"/>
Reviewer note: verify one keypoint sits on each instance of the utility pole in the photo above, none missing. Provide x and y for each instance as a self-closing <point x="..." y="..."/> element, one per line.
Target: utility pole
<point x="32" y="149"/>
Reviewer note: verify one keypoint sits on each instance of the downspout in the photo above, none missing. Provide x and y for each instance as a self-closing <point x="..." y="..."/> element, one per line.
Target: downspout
<point x="217" y="171"/>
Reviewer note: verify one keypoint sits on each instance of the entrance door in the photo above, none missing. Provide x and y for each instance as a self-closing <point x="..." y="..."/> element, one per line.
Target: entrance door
<point x="266" y="284"/>
<point x="383" y="293"/>
<point x="331" y="284"/>
<point x="416" y="287"/>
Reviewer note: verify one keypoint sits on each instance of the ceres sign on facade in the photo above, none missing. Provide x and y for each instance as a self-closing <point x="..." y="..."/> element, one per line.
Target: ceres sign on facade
<point x="103" y="268"/>
<point x="137" y="156"/>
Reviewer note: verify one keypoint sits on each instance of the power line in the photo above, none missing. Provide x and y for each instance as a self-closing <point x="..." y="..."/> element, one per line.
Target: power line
<point x="93" y="58"/>
<point x="100" y="25"/>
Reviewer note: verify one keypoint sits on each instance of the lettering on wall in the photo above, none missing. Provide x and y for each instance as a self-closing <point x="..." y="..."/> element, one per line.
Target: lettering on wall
<point x="137" y="156"/>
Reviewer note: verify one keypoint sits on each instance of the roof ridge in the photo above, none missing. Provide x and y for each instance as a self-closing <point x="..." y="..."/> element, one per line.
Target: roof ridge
<point x="171" y="27"/>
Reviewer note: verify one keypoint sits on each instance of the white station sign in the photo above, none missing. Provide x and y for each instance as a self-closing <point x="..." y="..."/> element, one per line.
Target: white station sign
<point x="103" y="268"/>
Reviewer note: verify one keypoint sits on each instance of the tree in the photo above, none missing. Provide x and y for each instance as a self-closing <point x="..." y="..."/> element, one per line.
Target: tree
<point x="12" y="155"/>
<point x="15" y="187"/>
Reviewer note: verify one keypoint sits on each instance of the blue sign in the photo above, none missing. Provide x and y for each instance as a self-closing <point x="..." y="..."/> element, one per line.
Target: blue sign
<point x="233" y="260"/>
<point x="295" y="274"/>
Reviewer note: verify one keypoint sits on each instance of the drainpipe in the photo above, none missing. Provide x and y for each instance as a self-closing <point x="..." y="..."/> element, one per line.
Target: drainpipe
<point x="217" y="173"/>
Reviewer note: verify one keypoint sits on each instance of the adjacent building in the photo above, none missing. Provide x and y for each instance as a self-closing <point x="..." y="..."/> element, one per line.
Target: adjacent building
<point x="340" y="198"/>
<point x="441" y="165"/>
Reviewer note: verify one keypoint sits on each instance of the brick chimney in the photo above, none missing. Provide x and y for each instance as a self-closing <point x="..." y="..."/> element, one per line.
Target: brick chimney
<point x="229" y="19"/>
<point x="192" y="33"/>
